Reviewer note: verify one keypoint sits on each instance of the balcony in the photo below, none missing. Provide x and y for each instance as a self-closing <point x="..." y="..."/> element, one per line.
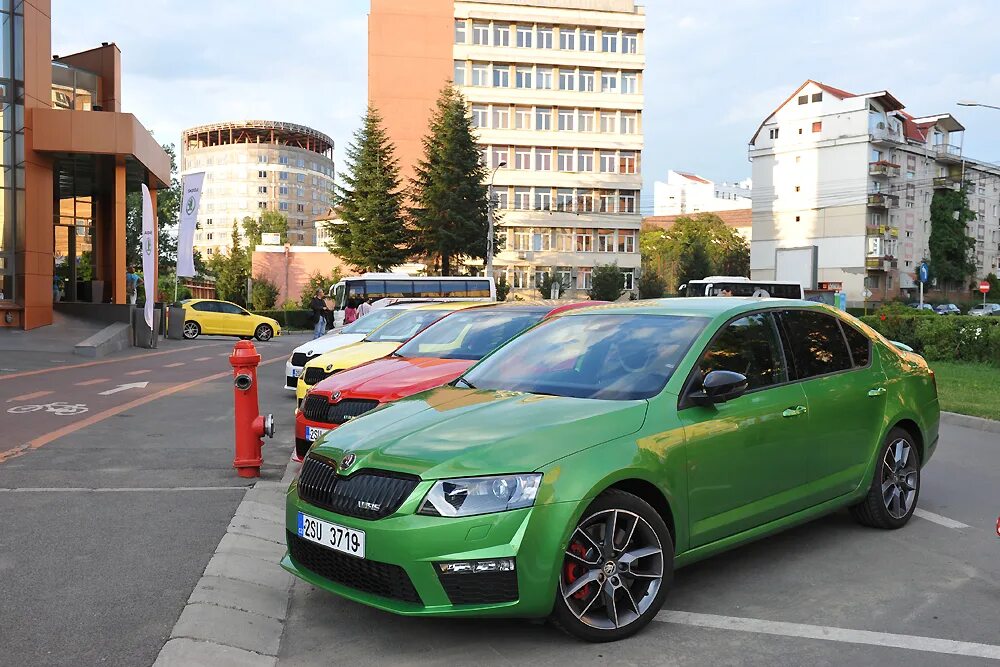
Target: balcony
<point x="882" y="200"/>
<point x="879" y="263"/>
<point x="947" y="182"/>
<point x="883" y="169"/>
<point x="948" y="153"/>
<point x="882" y="134"/>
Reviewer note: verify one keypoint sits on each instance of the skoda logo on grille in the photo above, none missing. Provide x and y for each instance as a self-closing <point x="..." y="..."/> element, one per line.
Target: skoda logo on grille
<point x="334" y="397"/>
<point x="347" y="462"/>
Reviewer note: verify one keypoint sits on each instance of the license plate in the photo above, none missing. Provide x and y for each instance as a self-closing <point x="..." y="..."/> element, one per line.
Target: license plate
<point x="296" y="372"/>
<point x="313" y="434"/>
<point x="330" y="535"/>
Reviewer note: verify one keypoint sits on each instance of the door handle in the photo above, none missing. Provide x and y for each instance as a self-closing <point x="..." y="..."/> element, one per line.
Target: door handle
<point x="877" y="391"/>
<point x="794" y="412"/>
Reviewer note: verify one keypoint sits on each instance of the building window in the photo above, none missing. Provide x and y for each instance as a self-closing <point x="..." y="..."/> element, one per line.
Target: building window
<point x="460" y="30"/>
<point x="501" y="76"/>
<point x="567" y="39"/>
<point x="605" y="240"/>
<point x="501" y="34"/>
<point x="522" y="77"/>
<point x="500" y="198"/>
<point x="283" y="190"/>
<point x="522" y="239"/>
<point x="501" y="118"/>
<point x="300" y="178"/>
<point x="260" y="158"/>
<point x="587" y="81"/>
<point x="522" y="199"/>
<point x="609" y="42"/>
<point x="583" y="240"/>
<point x="543" y="159"/>
<point x="283" y="175"/>
<point x="626" y="240"/>
<point x="565" y="159"/>
<point x="522" y="158"/>
<point x="607" y="202"/>
<point x="630" y="42"/>
<point x="262" y="204"/>
<point x="585" y="202"/>
<point x="567" y="120"/>
<point x="541" y="240"/>
<point x="773" y="133"/>
<point x="608" y="162"/>
<point x="817" y="126"/>
<point x="283" y="206"/>
<point x="630" y="122"/>
<point x="586" y="119"/>
<point x="480" y="116"/>
<point x="480" y="74"/>
<point x="803" y="99"/>
<point x="459" y="76"/>
<point x="283" y="159"/>
<point x="524" y="34"/>
<point x="585" y="161"/>
<point x="481" y="34"/>
<point x="630" y="83"/>
<point x="543" y="199"/>
<point x="543" y="118"/>
<point x="583" y="275"/>
<point x="609" y="82"/>
<point x="564" y="240"/>
<point x="588" y="40"/>
<point x="262" y="174"/>
<point x="627" y="201"/>
<point x="629" y="278"/>
<point x="564" y="199"/>
<point x="262" y="189"/>
<point x="609" y="122"/>
<point x="544" y="38"/>
<point x="208" y="221"/>
<point x="543" y="78"/>
<point x="627" y="162"/>
<point x="567" y="79"/>
<point x="499" y="155"/>
<point x="522" y="118"/>
<point x="300" y="208"/>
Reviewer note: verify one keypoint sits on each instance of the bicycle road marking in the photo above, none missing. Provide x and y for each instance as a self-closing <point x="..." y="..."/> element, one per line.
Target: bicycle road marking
<point x="87" y="383"/>
<point x="827" y="633"/>
<point x="28" y="397"/>
<point x="938" y="519"/>
<point x="61" y="408"/>
<point x="145" y="355"/>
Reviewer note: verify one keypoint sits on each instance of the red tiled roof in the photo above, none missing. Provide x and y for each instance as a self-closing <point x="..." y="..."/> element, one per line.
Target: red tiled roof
<point x="693" y="177"/>
<point x="842" y="94"/>
<point x="836" y="92"/>
<point x="736" y="219"/>
<point x="912" y="130"/>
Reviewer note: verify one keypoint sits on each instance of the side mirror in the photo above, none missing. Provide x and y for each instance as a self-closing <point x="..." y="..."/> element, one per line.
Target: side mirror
<point x="719" y="387"/>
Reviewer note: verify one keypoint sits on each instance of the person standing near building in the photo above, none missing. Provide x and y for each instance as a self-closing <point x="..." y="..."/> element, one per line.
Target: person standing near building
<point x="318" y="307"/>
<point x="351" y="312"/>
<point x="365" y="307"/>
<point x="131" y="284"/>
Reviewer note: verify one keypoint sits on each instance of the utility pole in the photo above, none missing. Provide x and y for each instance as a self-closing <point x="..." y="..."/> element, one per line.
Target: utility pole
<point x="489" y="214"/>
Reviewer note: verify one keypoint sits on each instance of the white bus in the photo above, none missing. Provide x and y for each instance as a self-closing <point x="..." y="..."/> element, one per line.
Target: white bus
<point x="740" y="286"/>
<point x="378" y="286"/>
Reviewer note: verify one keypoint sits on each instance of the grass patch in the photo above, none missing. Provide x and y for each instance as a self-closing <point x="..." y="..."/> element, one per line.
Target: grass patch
<point x="969" y="389"/>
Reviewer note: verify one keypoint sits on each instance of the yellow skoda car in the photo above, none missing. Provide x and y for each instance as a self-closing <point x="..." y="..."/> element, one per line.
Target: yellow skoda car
<point x="222" y="318"/>
<point x="377" y="344"/>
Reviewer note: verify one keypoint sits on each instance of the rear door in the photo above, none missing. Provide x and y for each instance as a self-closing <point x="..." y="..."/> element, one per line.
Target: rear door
<point x="845" y="389"/>
<point x="208" y="316"/>
<point x="746" y="457"/>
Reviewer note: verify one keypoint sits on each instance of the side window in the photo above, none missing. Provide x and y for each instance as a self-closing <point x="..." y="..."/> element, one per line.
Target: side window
<point x="859" y="343"/>
<point x="206" y="307"/>
<point x="816" y="343"/>
<point x="749" y="346"/>
<point x="426" y="288"/>
<point x="230" y="309"/>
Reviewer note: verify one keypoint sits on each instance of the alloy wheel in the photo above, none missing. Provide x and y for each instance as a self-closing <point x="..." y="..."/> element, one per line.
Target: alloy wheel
<point x="613" y="569"/>
<point x="899" y="478"/>
<point x="263" y="332"/>
<point x="191" y="330"/>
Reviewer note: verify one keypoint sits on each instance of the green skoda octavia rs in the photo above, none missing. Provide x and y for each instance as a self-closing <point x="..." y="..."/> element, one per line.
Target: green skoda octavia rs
<point x="569" y="473"/>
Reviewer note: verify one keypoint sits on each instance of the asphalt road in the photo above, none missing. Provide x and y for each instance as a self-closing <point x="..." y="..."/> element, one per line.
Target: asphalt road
<point x="926" y="581"/>
<point x="108" y="516"/>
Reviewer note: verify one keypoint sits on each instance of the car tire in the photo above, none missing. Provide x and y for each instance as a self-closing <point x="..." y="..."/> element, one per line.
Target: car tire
<point x="191" y="330"/>
<point x="895" y="486"/>
<point x="263" y="332"/>
<point x="615" y="574"/>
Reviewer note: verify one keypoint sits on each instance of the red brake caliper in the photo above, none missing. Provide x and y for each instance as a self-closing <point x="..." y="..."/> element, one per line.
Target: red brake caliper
<point x="574" y="570"/>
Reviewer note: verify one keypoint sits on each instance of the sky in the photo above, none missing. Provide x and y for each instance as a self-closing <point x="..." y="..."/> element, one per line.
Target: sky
<point x="714" y="70"/>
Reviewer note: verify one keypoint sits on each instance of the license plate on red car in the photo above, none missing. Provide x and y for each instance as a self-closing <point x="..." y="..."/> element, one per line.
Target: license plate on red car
<point x="332" y="536"/>
<point x="313" y="434"/>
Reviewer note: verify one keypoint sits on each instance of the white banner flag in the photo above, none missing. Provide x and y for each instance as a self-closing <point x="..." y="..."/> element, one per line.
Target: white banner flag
<point x="148" y="246"/>
<point x="191" y="187"/>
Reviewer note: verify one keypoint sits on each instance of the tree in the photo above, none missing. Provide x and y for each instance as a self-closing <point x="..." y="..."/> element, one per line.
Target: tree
<point x="651" y="285"/>
<point x="318" y="281"/>
<point x="450" y="205"/>
<point x="949" y="243"/>
<point x="269" y="222"/>
<point x="544" y="286"/>
<point x="695" y="261"/>
<point x="371" y="234"/>
<point x="607" y="282"/>
<point x="231" y="271"/>
<point x="264" y="294"/>
<point x="503" y="288"/>
<point x="994" y="285"/>
<point x="168" y="206"/>
<point x="694" y="248"/>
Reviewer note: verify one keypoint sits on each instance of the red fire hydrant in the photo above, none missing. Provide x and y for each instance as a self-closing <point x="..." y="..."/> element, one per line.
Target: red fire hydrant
<point x="251" y="426"/>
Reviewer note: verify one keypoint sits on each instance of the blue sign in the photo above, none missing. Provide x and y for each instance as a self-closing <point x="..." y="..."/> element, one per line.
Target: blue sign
<point x="923" y="272"/>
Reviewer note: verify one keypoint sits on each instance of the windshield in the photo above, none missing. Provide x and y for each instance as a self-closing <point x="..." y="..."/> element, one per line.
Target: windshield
<point x="469" y="334"/>
<point x="616" y="357"/>
<point x="372" y="321"/>
<point x="405" y="326"/>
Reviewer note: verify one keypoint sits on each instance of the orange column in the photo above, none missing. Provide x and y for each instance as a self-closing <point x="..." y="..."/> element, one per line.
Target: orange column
<point x="117" y="228"/>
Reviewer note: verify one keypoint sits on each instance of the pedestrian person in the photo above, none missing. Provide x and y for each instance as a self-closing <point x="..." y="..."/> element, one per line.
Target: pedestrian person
<point x="351" y="312"/>
<point x="726" y="292"/>
<point x="318" y="307"/>
<point x="365" y="307"/>
<point x="131" y="284"/>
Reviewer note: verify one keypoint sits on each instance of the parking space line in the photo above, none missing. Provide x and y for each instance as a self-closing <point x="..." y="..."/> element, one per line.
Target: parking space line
<point x="845" y="635"/>
<point x="28" y="397"/>
<point x="204" y="358"/>
<point x="144" y="355"/>
<point x="130" y="489"/>
<point x="174" y="365"/>
<point x="87" y="383"/>
<point x="142" y="372"/>
<point x="938" y="519"/>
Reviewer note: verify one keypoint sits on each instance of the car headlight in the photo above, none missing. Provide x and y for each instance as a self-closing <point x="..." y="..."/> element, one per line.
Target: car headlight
<point x="469" y="496"/>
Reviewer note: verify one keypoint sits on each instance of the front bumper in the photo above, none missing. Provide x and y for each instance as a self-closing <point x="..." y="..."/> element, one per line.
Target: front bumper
<point x="534" y="537"/>
<point x="291" y="379"/>
<point x="302" y="444"/>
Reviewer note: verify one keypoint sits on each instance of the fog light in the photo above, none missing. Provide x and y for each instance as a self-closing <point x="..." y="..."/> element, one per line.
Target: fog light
<point x="477" y="566"/>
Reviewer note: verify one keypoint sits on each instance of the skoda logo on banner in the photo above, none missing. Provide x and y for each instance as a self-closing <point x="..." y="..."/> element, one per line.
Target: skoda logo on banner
<point x="147" y="243"/>
<point x="189" y="206"/>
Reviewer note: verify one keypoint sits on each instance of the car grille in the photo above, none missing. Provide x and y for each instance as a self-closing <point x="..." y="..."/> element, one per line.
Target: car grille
<point x="318" y="408"/>
<point x="315" y="374"/>
<point x="291" y="381"/>
<point x="300" y="359"/>
<point x="482" y="588"/>
<point x="367" y="494"/>
<point x="367" y="576"/>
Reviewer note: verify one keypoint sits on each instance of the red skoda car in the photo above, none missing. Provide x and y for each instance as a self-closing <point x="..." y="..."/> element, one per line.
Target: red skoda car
<point x="434" y="357"/>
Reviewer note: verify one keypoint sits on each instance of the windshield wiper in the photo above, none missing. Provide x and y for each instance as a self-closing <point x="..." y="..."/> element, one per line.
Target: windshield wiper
<point x="465" y="382"/>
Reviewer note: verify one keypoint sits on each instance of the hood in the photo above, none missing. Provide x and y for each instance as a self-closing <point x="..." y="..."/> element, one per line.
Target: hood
<point x="353" y="355"/>
<point x="393" y="378"/>
<point x="455" y="432"/>
<point x="329" y="342"/>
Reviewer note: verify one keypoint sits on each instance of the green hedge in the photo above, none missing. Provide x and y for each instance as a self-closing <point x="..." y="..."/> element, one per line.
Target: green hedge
<point x="297" y="319"/>
<point x="942" y="337"/>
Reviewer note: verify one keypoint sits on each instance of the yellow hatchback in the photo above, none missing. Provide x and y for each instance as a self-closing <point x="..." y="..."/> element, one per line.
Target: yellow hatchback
<point x="379" y="343"/>
<point x="222" y="318"/>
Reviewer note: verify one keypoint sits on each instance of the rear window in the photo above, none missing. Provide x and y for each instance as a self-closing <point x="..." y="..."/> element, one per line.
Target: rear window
<point x="816" y="343"/>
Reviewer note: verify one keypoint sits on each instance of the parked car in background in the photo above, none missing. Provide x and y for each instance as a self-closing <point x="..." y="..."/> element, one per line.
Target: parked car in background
<point x="435" y="356"/>
<point x="222" y="318"/>
<point x="986" y="310"/>
<point x="571" y="471"/>
<point x="947" y="309"/>
<point x="354" y="332"/>
<point x="918" y="306"/>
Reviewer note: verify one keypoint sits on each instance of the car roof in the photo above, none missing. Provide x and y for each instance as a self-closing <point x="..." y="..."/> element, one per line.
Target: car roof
<point x="709" y="306"/>
<point x="452" y="305"/>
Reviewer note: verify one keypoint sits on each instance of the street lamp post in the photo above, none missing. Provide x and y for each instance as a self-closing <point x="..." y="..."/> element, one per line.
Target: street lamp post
<point x="489" y="216"/>
<point x="970" y="103"/>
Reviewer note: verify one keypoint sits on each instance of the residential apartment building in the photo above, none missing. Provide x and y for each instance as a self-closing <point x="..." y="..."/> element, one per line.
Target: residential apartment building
<point x="555" y="90"/>
<point x="254" y="166"/>
<point x="842" y="192"/>
<point x="684" y="193"/>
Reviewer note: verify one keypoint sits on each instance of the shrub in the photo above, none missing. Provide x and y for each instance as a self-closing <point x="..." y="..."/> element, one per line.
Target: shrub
<point x="264" y="294"/>
<point x="544" y="286"/>
<point x="297" y="319"/>
<point x="942" y="338"/>
<point x="503" y="288"/>
<point x="651" y="285"/>
<point x="607" y="283"/>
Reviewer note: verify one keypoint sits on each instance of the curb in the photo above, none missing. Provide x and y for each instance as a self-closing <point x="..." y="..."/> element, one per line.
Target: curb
<point x="968" y="421"/>
<point x="236" y="613"/>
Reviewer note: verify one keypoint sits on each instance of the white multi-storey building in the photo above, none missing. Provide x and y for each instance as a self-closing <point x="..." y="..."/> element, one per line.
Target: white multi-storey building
<point x="842" y="188"/>
<point x="254" y="166"/>
<point x="684" y="193"/>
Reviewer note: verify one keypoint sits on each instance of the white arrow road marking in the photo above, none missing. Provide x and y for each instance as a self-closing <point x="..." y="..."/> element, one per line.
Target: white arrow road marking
<point x="124" y="387"/>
